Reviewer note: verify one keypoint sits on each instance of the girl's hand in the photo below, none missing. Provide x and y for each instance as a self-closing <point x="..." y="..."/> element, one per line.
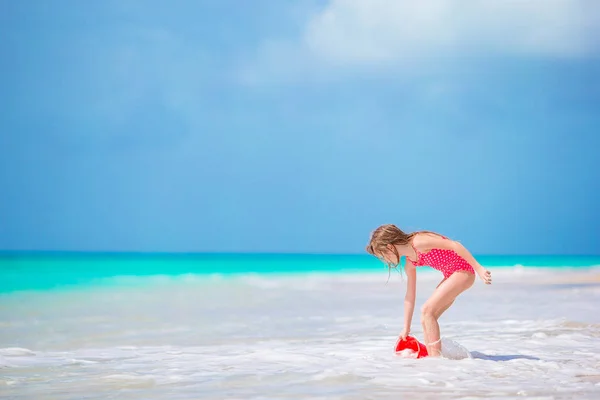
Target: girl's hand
<point x="405" y="332"/>
<point x="485" y="275"/>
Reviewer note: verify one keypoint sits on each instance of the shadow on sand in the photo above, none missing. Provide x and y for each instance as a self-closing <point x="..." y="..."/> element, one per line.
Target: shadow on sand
<point x="481" y="356"/>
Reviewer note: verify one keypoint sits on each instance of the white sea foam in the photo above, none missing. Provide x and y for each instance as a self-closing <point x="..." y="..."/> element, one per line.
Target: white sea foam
<point x="529" y="335"/>
<point x="16" y="352"/>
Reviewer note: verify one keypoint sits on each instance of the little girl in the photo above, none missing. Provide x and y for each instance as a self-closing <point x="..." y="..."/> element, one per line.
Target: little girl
<point x="389" y="243"/>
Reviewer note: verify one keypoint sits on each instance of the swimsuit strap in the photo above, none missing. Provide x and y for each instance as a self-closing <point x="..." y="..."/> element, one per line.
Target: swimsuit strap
<point x="416" y="253"/>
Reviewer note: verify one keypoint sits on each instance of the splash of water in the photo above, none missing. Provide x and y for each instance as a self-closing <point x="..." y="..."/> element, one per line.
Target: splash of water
<point x="453" y="350"/>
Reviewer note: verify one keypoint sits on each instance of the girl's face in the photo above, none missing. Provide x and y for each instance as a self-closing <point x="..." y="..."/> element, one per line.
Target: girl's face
<point x="390" y="257"/>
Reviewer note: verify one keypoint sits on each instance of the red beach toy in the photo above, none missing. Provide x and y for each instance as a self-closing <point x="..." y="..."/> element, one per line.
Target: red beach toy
<point x="412" y="345"/>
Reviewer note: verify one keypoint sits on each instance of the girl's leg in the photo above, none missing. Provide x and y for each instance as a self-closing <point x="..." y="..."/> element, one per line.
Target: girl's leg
<point x="443" y="309"/>
<point x="447" y="306"/>
<point x="438" y="313"/>
<point x="441" y="299"/>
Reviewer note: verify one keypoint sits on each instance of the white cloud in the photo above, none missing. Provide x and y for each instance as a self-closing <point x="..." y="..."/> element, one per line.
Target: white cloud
<point x="379" y="33"/>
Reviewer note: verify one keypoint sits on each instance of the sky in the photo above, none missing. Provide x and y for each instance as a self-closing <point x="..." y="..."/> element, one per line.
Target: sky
<point x="299" y="126"/>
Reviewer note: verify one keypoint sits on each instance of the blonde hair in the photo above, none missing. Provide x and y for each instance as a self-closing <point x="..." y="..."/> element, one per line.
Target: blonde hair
<point x="388" y="234"/>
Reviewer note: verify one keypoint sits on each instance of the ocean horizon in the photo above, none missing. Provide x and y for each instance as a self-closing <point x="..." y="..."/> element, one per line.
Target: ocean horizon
<point x="39" y="270"/>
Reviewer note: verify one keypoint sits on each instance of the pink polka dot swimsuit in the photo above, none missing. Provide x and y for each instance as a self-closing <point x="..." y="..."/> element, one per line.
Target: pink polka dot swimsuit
<point x="444" y="260"/>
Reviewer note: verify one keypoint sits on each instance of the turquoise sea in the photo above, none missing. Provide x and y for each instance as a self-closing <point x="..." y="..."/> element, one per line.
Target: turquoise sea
<point x="289" y="326"/>
<point x="38" y="271"/>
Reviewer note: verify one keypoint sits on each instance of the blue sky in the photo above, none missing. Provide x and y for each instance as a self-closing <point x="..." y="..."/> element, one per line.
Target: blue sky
<point x="299" y="126"/>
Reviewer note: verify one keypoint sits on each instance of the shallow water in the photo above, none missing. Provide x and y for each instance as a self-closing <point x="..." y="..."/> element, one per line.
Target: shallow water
<point x="307" y="336"/>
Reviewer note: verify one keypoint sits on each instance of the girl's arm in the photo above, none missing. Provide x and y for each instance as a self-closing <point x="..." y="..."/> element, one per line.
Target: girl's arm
<point x="409" y="298"/>
<point x="428" y="242"/>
